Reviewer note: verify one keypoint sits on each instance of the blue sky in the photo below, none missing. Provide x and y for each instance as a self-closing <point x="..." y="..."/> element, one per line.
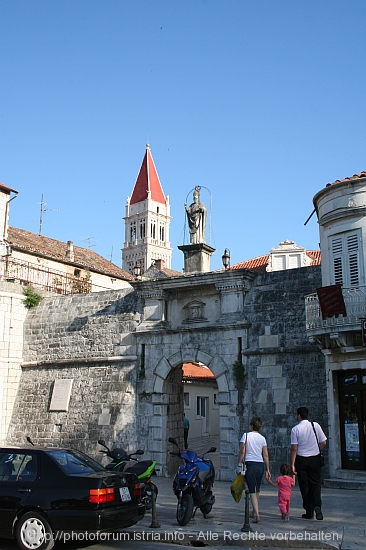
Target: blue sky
<point x="261" y="102"/>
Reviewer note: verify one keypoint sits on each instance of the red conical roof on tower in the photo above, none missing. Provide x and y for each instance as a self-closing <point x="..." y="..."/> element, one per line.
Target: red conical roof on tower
<point x="147" y="181"/>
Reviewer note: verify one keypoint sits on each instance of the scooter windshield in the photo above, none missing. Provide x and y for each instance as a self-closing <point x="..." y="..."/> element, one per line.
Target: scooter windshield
<point x="189" y="456"/>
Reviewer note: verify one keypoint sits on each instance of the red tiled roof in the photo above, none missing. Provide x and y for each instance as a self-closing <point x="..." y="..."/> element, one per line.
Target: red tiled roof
<point x="28" y="242"/>
<point x="354" y="177"/>
<point x="260" y="263"/>
<point x="315" y="255"/>
<point x="7" y="189"/>
<point x="190" y="370"/>
<point x="147" y="181"/>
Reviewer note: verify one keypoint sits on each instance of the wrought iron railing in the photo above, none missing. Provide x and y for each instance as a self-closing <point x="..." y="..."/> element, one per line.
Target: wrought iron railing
<point x="52" y="280"/>
<point x="355" y="302"/>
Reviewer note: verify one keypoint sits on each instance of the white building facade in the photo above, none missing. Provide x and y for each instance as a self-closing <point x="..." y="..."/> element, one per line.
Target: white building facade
<point x="335" y="320"/>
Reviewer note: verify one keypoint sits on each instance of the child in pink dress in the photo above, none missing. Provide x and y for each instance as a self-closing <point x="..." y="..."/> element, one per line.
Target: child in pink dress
<point x="284" y="482"/>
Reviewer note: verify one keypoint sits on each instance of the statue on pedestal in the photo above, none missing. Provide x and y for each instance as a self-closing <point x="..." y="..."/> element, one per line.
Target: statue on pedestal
<point x="196" y="216"/>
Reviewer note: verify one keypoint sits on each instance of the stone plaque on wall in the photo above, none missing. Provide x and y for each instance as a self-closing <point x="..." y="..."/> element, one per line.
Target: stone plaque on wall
<point x="61" y="394"/>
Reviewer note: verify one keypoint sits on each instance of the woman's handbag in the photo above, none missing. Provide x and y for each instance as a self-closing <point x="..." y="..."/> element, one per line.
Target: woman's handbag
<point x="322" y="461"/>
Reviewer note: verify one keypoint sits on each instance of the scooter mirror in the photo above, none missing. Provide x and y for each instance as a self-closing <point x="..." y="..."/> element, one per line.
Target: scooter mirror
<point x="172" y="440"/>
<point x="101" y="442"/>
<point x="139" y="452"/>
<point x="212" y="450"/>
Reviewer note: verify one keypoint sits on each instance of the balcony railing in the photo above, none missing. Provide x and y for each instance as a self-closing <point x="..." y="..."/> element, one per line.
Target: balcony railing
<point x="52" y="280"/>
<point x="355" y="302"/>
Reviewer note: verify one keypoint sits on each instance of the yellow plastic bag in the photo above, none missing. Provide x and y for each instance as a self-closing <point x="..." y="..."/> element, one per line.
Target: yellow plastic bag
<point x="237" y="487"/>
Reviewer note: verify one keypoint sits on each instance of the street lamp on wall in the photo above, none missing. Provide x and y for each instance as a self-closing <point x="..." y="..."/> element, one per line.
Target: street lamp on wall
<point x="226" y="258"/>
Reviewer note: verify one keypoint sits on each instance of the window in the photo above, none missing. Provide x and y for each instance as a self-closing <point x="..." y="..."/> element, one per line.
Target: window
<point x="161" y="233"/>
<point x="74" y="462"/>
<point x="15" y="466"/>
<point x="142" y="229"/>
<point x="133" y="232"/>
<point x="202" y="403"/>
<point x="346" y="259"/>
<point x="186" y="399"/>
<point x="153" y="230"/>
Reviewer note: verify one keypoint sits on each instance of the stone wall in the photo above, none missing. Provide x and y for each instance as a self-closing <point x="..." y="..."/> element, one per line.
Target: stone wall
<point x="284" y="370"/>
<point x="86" y="339"/>
<point x="81" y="326"/>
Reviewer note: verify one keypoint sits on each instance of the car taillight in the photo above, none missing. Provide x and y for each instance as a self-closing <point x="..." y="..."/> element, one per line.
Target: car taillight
<point x="137" y="490"/>
<point x="97" y="496"/>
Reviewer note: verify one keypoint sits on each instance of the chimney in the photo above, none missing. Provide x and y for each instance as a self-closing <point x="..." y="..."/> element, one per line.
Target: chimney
<point x="159" y="264"/>
<point x="70" y="251"/>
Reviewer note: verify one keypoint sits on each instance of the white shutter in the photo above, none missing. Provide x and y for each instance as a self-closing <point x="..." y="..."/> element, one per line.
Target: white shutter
<point x="337" y="260"/>
<point x="345" y="259"/>
<point x="352" y="249"/>
<point x="294" y="261"/>
<point x="278" y="262"/>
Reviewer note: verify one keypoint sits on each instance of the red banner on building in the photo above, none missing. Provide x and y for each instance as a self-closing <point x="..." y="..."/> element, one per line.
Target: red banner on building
<point x="331" y="301"/>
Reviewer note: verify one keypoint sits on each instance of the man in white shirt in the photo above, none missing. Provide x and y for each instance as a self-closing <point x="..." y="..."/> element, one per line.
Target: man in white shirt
<point x="305" y="462"/>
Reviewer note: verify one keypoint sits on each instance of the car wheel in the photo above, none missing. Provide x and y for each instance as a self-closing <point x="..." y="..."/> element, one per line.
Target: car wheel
<point x="33" y="532"/>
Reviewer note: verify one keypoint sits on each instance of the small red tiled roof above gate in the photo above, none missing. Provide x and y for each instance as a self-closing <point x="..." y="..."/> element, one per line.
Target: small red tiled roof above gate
<point x="147" y="184"/>
<point x="190" y="370"/>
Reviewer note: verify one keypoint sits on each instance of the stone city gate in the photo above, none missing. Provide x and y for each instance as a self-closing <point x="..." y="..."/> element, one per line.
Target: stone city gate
<point x="195" y="319"/>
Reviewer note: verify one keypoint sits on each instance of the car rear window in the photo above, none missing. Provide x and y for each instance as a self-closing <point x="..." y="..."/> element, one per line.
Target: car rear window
<point x="74" y="462"/>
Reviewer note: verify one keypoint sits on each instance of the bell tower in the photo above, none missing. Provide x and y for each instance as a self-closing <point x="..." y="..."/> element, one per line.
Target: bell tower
<point x="147" y="221"/>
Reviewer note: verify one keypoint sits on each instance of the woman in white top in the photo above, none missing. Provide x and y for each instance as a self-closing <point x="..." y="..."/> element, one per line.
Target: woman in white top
<point x="253" y="449"/>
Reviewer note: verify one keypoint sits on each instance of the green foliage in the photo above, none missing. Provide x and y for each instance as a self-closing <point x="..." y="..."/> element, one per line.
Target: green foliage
<point x="238" y="369"/>
<point x="32" y="298"/>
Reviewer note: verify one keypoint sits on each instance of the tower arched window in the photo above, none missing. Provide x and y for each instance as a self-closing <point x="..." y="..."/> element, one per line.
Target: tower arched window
<point x="162" y="233"/>
<point x="153" y="230"/>
<point x="133" y="232"/>
<point x="142" y="229"/>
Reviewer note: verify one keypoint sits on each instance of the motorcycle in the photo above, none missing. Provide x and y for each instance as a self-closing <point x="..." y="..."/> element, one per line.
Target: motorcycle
<point x="193" y="484"/>
<point x="144" y="469"/>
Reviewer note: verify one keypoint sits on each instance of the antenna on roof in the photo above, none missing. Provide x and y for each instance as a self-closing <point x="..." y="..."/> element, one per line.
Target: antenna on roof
<point x="43" y="204"/>
<point x="88" y="240"/>
<point x="43" y="209"/>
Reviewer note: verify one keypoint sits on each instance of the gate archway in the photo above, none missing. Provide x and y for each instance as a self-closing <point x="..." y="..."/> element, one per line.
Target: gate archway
<point x="169" y="406"/>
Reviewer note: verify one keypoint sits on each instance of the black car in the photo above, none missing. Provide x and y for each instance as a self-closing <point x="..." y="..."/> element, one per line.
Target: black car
<point x="47" y="494"/>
